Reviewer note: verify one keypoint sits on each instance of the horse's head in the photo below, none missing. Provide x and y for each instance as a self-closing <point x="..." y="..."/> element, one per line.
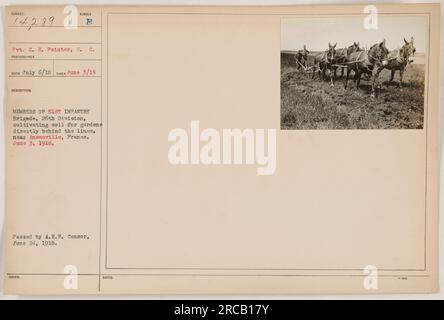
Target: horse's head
<point x="408" y="50"/>
<point x="331" y="52"/>
<point x="353" y="48"/>
<point x="379" y="52"/>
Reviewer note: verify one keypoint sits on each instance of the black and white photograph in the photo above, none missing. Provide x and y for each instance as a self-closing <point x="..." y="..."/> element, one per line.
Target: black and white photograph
<point x="339" y="73"/>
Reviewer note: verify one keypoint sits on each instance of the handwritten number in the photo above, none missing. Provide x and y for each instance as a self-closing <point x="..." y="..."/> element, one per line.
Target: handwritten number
<point x="30" y="22"/>
<point x="34" y="23"/>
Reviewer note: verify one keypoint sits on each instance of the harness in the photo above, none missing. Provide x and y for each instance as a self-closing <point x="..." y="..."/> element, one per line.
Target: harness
<point x="361" y="60"/>
<point x="324" y="58"/>
<point x="344" y="64"/>
<point x="401" y="58"/>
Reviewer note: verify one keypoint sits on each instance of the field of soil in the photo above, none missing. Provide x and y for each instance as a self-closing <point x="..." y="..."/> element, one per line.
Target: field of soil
<point x="308" y="103"/>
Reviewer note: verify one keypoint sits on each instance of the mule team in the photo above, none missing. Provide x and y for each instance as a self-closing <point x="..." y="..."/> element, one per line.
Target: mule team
<point x="368" y="62"/>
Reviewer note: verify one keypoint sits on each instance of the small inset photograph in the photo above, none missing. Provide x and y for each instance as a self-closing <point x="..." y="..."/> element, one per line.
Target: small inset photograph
<point x="341" y="73"/>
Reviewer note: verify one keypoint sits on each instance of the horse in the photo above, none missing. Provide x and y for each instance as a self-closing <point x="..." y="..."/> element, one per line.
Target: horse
<point x="301" y="58"/>
<point x="342" y="55"/>
<point x="399" y="59"/>
<point x="324" y="60"/>
<point x="370" y="62"/>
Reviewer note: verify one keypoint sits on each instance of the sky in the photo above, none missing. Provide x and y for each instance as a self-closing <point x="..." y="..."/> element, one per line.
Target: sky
<point x="316" y="32"/>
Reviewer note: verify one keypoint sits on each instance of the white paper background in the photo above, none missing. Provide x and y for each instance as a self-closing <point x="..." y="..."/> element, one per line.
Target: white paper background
<point x="210" y="2"/>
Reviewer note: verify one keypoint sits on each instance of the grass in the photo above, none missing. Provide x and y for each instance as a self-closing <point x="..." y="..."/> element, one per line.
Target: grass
<point x="313" y="104"/>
